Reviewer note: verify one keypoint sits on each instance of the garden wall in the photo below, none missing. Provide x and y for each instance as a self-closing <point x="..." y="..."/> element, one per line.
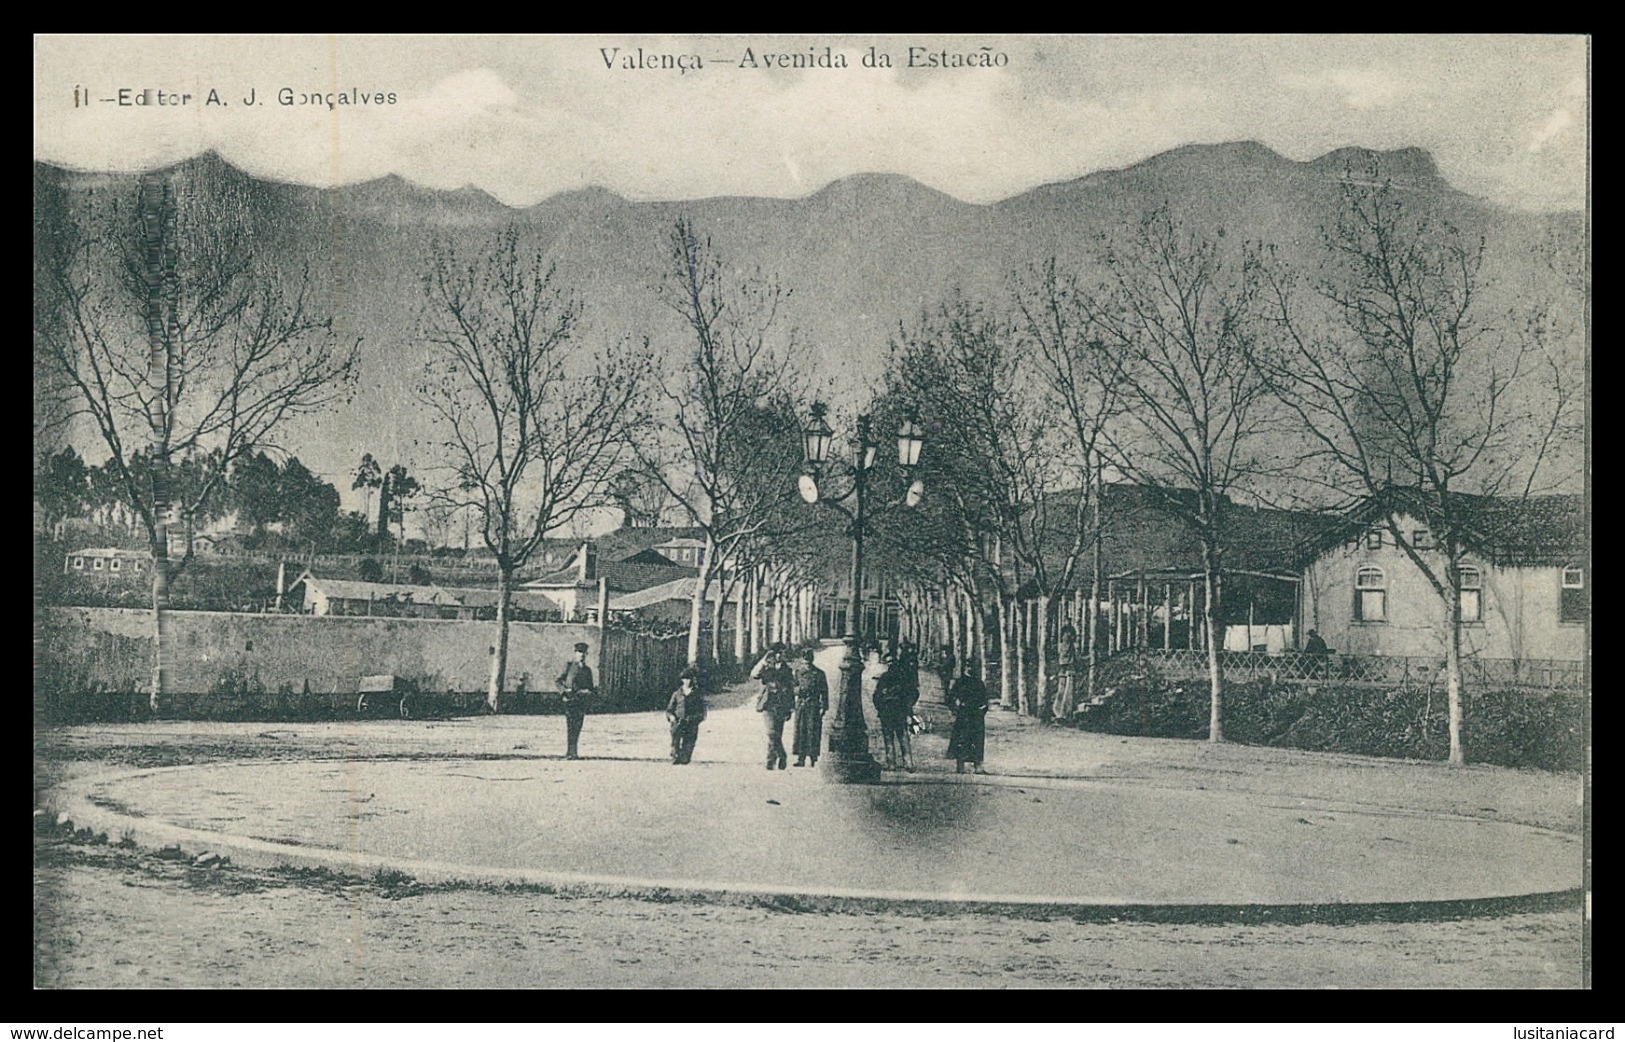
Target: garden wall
<point x="112" y="648"/>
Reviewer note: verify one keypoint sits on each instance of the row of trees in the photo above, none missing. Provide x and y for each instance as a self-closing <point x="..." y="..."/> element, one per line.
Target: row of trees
<point x="1204" y="372"/>
<point x="1196" y="367"/>
<point x="281" y="506"/>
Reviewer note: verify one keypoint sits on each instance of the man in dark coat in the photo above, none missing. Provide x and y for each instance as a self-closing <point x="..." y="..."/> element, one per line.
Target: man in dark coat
<point x="776" y="702"/>
<point x="578" y="688"/>
<point x="893" y="702"/>
<point x="684" y="712"/>
<point x="968" y="699"/>
<point x="812" y="702"/>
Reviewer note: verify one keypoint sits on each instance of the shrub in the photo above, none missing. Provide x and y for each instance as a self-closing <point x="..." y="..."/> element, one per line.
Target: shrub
<point x="1505" y="727"/>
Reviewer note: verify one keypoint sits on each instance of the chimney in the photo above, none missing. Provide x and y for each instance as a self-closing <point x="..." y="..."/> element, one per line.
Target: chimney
<point x="586" y="564"/>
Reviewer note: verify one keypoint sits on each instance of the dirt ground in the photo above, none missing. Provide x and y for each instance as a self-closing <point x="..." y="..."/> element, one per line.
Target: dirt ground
<point x="108" y="917"/>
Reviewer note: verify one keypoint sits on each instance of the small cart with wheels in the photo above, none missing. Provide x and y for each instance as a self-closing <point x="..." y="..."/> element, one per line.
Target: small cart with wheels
<point x="386" y="695"/>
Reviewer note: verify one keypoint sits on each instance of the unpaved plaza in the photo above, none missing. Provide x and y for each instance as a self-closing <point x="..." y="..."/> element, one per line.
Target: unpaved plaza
<point x="107" y="916"/>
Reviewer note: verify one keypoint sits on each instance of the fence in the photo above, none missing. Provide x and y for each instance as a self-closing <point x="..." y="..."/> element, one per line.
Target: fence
<point x="640" y="670"/>
<point x="1383" y="670"/>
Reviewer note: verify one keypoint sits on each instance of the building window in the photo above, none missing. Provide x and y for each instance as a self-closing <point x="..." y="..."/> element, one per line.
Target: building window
<point x="1370" y="596"/>
<point x="1373" y="539"/>
<point x="79" y="563"/>
<point x="136" y="565"/>
<point x="1472" y="595"/>
<point x="1574" y="606"/>
<point x="95" y="564"/>
<point x="1422" y="539"/>
<point x="113" y="565"/>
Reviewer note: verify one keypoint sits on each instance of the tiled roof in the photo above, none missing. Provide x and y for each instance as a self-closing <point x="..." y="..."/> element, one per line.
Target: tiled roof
<point x="483" y="597"/>
<point x="676" y="590"/>
<point x="621" y="576"/>
<point x="1530" y="531"/>
<point x="628" y="542"/>
<point x="1142" y="534"/>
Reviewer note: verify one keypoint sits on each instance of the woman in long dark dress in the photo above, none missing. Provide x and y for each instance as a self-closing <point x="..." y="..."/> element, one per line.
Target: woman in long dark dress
<point x="968" y="699"/>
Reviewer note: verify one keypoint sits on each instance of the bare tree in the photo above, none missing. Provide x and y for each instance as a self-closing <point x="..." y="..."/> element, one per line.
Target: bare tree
<point x="997" y="457"/>
<point x="1197" y="415"/>
<point x="174" y="341"/>
<point x="534" y="431"/>
<point x="728" y="442"/>
<point x="438" y="520"/>
<point x="1085" y="381"/>
<point x="1410" y="392"/>
<point x="641" y="498"/>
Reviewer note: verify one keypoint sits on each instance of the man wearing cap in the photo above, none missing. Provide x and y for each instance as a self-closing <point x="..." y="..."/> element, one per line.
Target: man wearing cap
<point x="893" y="702"/>
<point x="776" y="702"/>
<point x="577" y="686"/>
<point x="684" y="711"/>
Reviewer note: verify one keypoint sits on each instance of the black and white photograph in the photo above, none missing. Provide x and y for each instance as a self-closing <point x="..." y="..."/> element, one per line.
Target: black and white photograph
<point x="812" y="512"/>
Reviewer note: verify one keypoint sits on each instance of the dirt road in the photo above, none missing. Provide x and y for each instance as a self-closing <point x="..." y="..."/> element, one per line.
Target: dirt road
<point x="124" y="918"/>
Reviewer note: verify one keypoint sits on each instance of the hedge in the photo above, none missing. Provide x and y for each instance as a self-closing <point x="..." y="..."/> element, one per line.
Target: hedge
<point x="1506" y="727"/>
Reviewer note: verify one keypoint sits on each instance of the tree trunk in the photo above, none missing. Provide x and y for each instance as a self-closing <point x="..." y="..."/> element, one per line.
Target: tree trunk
<point x="157" y="205"/>
<point x="1024" y="689"/>
<point x="697" y="600"/>
<point x="716" y="620"/>
<point x="499" y="661"/>
<point x="741" y="584"/>
<point x="755" y="583"/>
<point x="383" y="511"/>
<point x="1452" y="659"/>
<point x="979" y="624"/>
<point x="1007" y="657"/>
<point x="1046" y="705"/>
<point x="1215" y="729"/>
<point x="160" y="622"/>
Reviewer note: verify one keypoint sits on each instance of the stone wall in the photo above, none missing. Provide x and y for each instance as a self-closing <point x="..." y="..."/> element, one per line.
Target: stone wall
<point x="112" y="648"/>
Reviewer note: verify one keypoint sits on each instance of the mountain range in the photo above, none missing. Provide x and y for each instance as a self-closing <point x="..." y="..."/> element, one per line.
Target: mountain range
<point x="860" y="256"/>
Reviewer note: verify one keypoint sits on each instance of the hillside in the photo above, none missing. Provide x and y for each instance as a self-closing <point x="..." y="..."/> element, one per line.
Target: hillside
<point x="860" y="255"/>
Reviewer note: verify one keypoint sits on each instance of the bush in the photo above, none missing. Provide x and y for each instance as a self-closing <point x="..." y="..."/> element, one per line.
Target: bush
<point x="1505" y="727"/>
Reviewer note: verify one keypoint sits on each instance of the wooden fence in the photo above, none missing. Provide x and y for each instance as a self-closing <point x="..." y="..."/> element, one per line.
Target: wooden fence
<point x="640" y="670"/>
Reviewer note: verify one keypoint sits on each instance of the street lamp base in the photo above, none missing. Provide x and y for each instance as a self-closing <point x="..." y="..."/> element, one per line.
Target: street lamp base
<point x="846" y="769"/>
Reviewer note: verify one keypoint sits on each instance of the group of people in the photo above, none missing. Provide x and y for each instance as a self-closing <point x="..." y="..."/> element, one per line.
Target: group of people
<point x="798" y="690"/>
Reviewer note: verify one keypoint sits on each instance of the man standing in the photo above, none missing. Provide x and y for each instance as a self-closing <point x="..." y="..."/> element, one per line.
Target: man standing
<point x="893" y="703"/>
<point x="684" y="711"/>
<point x="577" y="686"/>
<point x="776" y="702"/>
<point x="812" y="702"/>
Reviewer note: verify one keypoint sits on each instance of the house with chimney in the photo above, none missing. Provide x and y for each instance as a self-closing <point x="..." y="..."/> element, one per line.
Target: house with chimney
<point x="626" y="561"/>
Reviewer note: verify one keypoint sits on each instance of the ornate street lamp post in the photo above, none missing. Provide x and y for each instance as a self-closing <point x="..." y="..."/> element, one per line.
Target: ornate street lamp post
<point x="849" y="759"/>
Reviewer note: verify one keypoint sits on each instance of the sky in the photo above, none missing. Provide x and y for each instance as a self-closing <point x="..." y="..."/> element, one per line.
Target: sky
<point x="523" y="118"/>
<point x="980" y="118"/>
